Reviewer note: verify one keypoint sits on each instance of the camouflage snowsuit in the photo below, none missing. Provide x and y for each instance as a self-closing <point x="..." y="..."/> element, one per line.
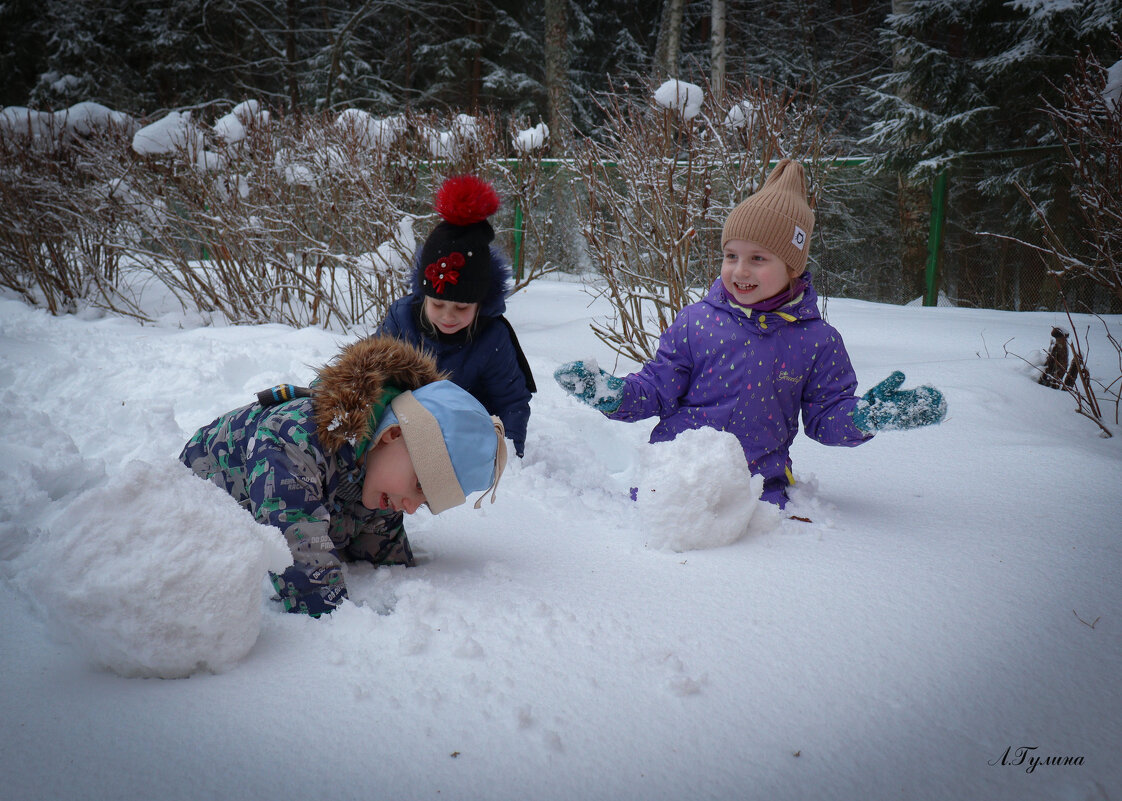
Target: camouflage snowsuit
<point x="298" y="466"/>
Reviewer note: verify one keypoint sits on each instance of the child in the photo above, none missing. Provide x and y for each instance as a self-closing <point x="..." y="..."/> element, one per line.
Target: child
<point x="335" y="466"/>
<point x="755" y="352"/>
<point x="455" y="310"/>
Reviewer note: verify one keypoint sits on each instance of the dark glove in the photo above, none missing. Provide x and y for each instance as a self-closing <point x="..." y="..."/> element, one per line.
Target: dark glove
<point x="886" y="407"/>
<point x="310" y="590"/>
<point x="602" y="391"/>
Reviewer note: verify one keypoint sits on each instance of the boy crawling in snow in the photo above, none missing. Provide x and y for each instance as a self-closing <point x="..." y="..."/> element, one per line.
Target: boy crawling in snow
<point x="378" y="434"/>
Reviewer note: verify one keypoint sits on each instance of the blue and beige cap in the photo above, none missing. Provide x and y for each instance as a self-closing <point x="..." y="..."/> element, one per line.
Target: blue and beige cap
<point x="456" y="447"/>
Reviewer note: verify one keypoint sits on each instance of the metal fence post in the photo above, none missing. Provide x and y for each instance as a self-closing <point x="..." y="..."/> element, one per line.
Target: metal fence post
<point x="935" y="238"/>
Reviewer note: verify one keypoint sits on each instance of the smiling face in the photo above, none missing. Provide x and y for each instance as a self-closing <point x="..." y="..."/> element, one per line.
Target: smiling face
<point x="391" y="480"/>
<point x="449" y="317"/>
<point x="751" y="273"/>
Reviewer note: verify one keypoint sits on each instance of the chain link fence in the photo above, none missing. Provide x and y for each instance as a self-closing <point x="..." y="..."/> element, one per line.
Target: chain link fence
<point x="984" y="261"/>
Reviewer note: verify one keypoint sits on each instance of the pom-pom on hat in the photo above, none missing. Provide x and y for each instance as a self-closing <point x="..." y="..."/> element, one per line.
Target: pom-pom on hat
<point x="455" y="446"/>
<point x="777" y="217"/>
<point x="455" y="262"/>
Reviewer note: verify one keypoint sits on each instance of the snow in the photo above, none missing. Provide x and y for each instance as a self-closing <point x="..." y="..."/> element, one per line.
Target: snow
<point x="685" y="98"/>
<point x="671" y="473"/>
<point x="143" y="598"/>
<point x="1112" y="92"/>
<point x="86" y="117"/>
<point x="371" y="132"/>
<point x="953" y="598"/>
<point x="19" y="120"/>
<point x="531" y="139"/>
<point x="394" y="256"/>
<point x="741" y="115"/>
<point x="231" y="127"/>
<point x="173" y="132"/>
<point x="81" y="119"/>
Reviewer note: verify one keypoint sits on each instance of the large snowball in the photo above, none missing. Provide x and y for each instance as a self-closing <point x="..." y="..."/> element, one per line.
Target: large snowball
<point x="696" y="491"/>
<point x="157" y="572"/>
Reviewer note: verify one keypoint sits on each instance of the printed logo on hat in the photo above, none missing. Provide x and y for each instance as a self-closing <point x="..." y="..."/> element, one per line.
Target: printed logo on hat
<point x="799" y="239"/>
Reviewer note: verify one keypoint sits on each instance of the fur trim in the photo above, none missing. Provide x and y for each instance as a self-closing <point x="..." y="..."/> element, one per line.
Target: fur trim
<point x="353" y="382"/>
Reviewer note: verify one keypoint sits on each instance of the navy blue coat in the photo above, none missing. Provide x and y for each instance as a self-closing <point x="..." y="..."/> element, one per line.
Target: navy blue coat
<point x="489" y="363"/>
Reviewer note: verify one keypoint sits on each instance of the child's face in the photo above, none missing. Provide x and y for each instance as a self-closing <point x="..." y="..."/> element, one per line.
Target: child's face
<point x="751" y="273"/>
<point x="449" y="317"/>
<point x="391" y="481"/>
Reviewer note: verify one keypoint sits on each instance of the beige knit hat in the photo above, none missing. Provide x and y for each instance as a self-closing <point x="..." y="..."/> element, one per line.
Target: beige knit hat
<point x="777" y="217"/>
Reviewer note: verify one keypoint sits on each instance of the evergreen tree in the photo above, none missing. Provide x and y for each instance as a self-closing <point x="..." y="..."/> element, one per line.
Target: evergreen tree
<point x="22" y="50"/>
<point x="971" y="77"/>
<point x="976" y="73"/>
<point x="825" y="50"/>
<point x="613" y="44"/>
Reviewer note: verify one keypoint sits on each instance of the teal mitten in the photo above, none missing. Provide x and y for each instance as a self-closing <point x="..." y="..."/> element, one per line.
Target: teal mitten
<point x="600" y="390"/>
<point x="886" y="407"/>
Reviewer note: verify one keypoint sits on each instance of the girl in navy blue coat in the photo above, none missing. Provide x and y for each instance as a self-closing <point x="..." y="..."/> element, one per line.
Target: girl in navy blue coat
<point x="455" y="309"/>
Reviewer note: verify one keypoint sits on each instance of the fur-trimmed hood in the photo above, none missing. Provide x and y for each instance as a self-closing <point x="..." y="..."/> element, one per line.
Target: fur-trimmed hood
<point x="354" y="382"/>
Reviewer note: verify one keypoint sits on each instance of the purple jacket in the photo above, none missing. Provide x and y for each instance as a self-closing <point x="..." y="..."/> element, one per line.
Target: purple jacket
<point x="751" y="376"/>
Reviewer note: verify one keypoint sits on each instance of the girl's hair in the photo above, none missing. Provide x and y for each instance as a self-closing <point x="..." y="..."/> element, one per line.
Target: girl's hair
<point x="792" y="280"/>
<point x="428" y="329"/>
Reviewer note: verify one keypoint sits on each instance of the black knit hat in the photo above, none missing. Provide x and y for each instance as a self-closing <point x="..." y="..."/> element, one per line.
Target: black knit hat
<point x="455" y="261"/>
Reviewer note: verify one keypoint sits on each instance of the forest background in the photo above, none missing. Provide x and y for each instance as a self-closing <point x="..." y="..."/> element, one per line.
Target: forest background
<point x="996" y="104"/>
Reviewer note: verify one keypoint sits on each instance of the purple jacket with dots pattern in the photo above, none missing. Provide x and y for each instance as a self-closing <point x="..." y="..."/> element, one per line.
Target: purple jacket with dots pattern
<point x="752" y="375"/>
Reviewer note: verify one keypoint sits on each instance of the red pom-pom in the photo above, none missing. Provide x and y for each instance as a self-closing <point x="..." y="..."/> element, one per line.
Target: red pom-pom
<point x="465" y="200"/>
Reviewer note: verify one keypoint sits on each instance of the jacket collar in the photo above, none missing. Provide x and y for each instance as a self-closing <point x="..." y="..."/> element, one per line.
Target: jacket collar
<point x="801" y="309"/>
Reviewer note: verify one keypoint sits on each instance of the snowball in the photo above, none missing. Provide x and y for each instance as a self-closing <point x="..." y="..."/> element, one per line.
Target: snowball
<point x="685" y="98"/>
<point x="532" y="138"/>
<point x="230" y="129"/>
<point x="209" y="161"/>
<point x="156" y="572"/>
<point x="696" y="491"/>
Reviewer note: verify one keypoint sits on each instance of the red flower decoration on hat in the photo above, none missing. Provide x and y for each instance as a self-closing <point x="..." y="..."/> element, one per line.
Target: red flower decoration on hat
<point x="445" y="271"/>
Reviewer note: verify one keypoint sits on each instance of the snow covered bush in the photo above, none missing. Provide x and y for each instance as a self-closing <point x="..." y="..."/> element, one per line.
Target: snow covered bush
<point x="61" y="212"/>
<point x="309" y="220"/>
<point x="658" y="184"/>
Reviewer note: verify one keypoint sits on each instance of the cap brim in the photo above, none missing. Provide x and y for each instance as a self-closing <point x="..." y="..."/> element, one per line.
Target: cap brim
<point x="425" y="442"/>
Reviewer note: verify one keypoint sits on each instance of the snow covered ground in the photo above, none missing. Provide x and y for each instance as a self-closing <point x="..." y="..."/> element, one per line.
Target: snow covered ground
<point x="955" y="599"/>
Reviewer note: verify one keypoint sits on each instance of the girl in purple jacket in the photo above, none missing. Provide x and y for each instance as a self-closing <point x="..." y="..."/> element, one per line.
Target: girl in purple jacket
<point x="755" y="352"/>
